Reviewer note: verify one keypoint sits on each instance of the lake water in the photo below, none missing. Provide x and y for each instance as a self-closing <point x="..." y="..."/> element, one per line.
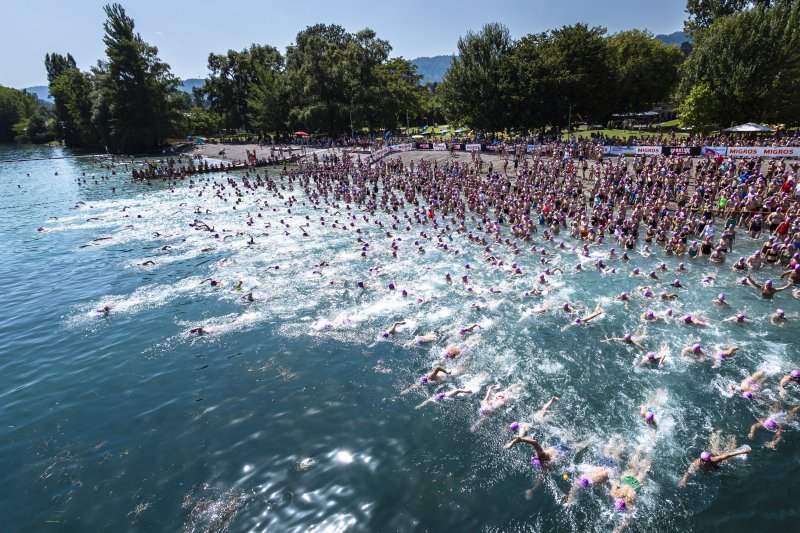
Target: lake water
<point x="289" y="415"/>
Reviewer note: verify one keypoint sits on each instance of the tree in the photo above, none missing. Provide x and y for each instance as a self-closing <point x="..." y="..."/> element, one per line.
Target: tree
<point x="750" y="63"/>
<point x="56" y="64"/>
<point x="231" y="79"/>
<point x="17" y="110"/>
<point x="645" y="70"/>
<point x="137" y="93"/>
<point x="72" y="91"/>
<point x="470" y="89"/>
<point x="267" y="98"/>
<point x="699" y="111"/>
<point x="703" y="13"/>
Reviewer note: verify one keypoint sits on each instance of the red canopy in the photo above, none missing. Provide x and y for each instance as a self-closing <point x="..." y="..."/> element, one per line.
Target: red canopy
<point x="301" y="133"/>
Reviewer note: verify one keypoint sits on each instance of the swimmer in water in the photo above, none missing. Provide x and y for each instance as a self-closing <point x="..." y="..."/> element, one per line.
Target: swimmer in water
<point x="469" y="329"/>
<point x="739" y="318"/>
<point x="722" y="355"/>
<point x="750" y="385"/>
<point x="593" y="476"/>
<point x="778" y="318"/>
<point x="655" y="359"/>
<point x="583" y="320"/>
<point x="543" y="456"/>
<point x="649" y="416"/>
<point x="200" y="330"/>
<point x="770" y="424"/>
<point x="493" y="401"/>
<point x="791" y="377"/>
<point x="248" y="297"/>
<point x="522" y="428"/>
<point x="720" y="300"/>
<point x="627" y="339"/>
<point x="706" y="462"/>
<point x="768" y="289"/>
<point x="441" y="396"/>
<point x="691" y="320"/>
<point x="424" y="339"/>
<point x="393" y="329"/>
<point x="105" y="310"/>
<point x="626" y="491"/>
<point x="454" y="350"/>
<point x="696" y="350"/>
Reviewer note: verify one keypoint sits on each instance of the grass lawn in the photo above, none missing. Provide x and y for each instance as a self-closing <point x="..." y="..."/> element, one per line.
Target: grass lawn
<point x="623" y="134"/>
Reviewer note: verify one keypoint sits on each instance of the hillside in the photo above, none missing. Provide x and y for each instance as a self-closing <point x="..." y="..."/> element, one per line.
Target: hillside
<point x="43" y="93"/>
<point x="677" y="38"/>
<point x="433" y="68"/>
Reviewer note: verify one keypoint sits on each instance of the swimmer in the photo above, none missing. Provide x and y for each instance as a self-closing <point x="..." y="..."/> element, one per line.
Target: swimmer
<point x="627" y="339"/>
<point x="248" y="297"/>
<point x="750" y="385"/>
<point x="653" y="358"/>
<point x="778" y="317"/>
<point x="706" y="461"/>
<point x="626" y="491"/>
<point x="393" y="329"/>
<point x="791" y="377"/>
<point x="770" y="424"/>
<point x="768" y="289"/>
<point x="583" y="320"/>
<point x="149" y="262"/>
<point x="105" y="310"/>
<point x="469" y="329"/>
<point x="454" y="350"/>
<point x="691" y="320"/>
<point x="695" y="350"/>
<point x="441" y="396"/>
<point x="522" y="428"/>
<point x="739" y="318"/>
<point x="649" y="316"/>
<point x="720" y="300"/>
<point x="594" y="475"/>
<point x="543" y="456"/>
<point x="649" y="416"/>
<point x="200" y="330"/>
<point x="493" y="401"/>
<point x="724" y="354"/>
<point x="424" y="339"/>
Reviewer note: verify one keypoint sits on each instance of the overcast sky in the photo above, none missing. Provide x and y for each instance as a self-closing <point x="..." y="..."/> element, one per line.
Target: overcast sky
<point x="186" y="32"/>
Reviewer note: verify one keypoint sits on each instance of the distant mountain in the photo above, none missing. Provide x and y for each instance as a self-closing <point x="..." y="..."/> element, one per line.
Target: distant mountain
<point x="677" y="38"/>
<point x="433" y="68"/>
<point x="190" y="84"/>
<point x="41" y="92"/>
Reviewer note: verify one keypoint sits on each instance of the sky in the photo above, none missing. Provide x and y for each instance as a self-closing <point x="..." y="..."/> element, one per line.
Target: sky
<point x="185" y="32"/>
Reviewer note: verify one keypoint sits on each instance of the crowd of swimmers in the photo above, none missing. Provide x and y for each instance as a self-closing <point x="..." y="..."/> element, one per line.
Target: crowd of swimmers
<point x="614" y="206"/>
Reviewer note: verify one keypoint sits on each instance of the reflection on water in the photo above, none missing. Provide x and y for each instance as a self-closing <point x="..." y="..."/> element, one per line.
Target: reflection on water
<point x="288" y="413"/>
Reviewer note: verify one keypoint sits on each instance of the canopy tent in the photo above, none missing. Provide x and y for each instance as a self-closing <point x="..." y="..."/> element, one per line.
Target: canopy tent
<point x="417" y="136"/>
<point x="460" y="131"/>
<point x="749" y="127"/>
<point x="442" y="132"/>
<point x="301" y="133"/>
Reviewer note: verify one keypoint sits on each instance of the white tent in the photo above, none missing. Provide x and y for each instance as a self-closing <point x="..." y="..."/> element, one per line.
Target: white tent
<point x="750" y="127"/>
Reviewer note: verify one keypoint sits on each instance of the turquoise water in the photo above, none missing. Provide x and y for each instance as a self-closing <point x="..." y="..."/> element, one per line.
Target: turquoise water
<point x="290" y="414"/>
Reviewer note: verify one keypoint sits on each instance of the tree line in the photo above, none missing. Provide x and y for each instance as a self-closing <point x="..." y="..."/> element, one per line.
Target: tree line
<point x="743" y="65"/>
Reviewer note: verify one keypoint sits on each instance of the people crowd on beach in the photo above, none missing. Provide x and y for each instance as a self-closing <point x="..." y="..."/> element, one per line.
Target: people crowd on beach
<point x="692" y="208"/>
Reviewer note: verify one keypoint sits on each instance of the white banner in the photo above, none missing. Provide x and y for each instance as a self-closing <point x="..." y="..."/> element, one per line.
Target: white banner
<point x="533" y="148"/>
<point x="763" y="151"/>
<point x="440" y="147"/>
<point x="648" y="150"/>
<point x="472" y="148"/>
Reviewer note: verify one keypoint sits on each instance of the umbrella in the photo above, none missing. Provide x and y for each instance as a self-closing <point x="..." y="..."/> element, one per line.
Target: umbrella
<point x="750" y="127"/>
<point x="417" y="136"/>
<point x="460" y="131"/>
<point x="301" y="133"/>
<point x="444" y="131"/>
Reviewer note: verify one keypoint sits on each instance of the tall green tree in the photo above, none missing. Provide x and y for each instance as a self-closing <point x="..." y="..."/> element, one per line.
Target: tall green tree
<point x="703" y="13"/>
<point x="470" y="89"/>
<point x="749" y="62"/>
<point x="15" y="107"/>
<point x="267" y="98"/>
<point x="645" y="70"/>
<point x="138" y="94"/>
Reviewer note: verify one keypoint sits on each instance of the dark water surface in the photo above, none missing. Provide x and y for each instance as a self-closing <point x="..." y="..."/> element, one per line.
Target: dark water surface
<point x="289" y="415"/>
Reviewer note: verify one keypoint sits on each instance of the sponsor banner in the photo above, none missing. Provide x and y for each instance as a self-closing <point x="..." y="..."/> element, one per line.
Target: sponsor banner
<point x="491" y="148"/>
<point x="763" y="151"/>
<point x="620" y="150"/>
<point x="456" y="146"/>
<point x="405" y="147"/>
<point x="714" y="150"/>
<point x="472" y="147"/>
<point x="424" y="146"/>
<point x="533" y="148"/>
<point x="648" y="150"/>
<point x="693" y="151"/>
<point x="440" y="147"/>
<point x="378" y="154"/>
